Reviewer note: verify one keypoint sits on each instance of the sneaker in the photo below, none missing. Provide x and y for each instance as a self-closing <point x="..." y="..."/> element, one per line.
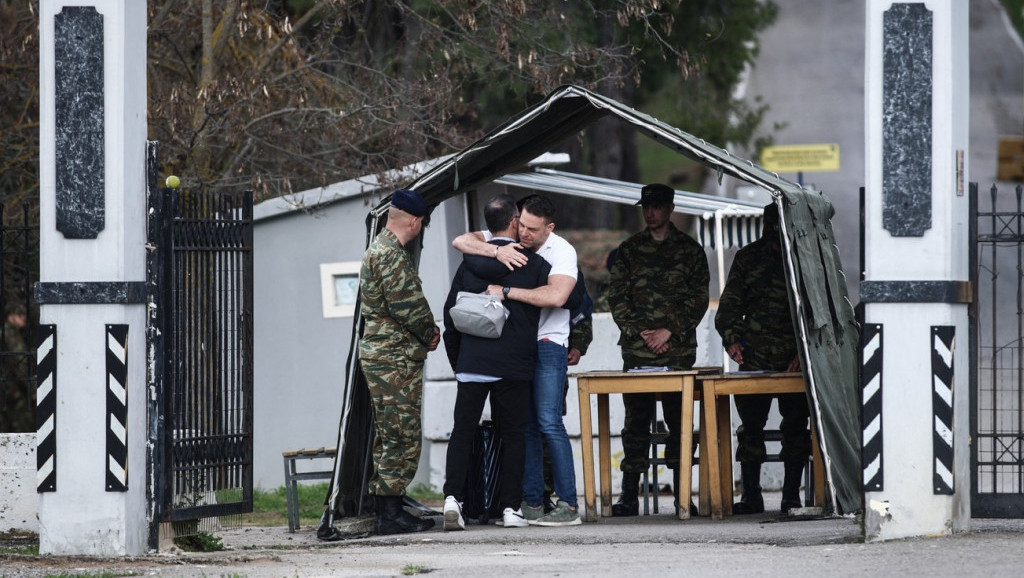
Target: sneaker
<point x="531" y="513"/>
<point x="562" y="516"/>
<point x="453" y="514"/>
<point x="513" y="519"/>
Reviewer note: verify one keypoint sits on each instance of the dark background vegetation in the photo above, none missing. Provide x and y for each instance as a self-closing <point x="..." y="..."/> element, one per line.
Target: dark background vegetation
<point x="280" y="96"/>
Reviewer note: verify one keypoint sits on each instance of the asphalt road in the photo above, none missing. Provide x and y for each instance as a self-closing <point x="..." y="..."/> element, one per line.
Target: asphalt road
<point x="745" y="546"/>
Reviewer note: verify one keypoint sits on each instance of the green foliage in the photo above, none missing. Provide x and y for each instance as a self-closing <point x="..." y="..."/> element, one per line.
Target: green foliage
<point x="1015" y="10"/>
<point x="200" y="542"/>
<point x="413" y="569"/>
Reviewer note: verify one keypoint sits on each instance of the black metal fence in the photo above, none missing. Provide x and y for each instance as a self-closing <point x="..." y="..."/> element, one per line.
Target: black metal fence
<point x="19" y="270"/>
<point x="997" y="319"/>
<point x="204" y="283"/>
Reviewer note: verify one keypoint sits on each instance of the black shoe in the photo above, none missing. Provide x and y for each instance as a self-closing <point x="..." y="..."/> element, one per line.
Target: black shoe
<point x="748" y="506"/>
<point x="326" y="531"/>
<point x="624" y="507"/>
<point x="788" y="505"/>
<point x="791" y="486"/>
<point x="628" y="503"/>
<point x="393" y="519"/>
<point x="752" y="501"/>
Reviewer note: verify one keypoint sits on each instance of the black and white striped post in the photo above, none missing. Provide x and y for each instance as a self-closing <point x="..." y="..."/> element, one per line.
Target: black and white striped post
<point x="916" y="270"/>
<point x="92" y="433"/>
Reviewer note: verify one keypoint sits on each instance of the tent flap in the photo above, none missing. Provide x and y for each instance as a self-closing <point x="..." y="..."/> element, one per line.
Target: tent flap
<point x="830" y="347"/>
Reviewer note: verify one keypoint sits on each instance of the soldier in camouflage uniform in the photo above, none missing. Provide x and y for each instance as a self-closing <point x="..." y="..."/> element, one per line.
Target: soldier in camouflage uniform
<point x="658" y="294"/>
<point x="399" y="332"/>
<point x="756" y="326"/>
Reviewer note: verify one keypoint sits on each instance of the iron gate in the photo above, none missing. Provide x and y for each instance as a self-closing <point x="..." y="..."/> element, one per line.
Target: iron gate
<point x="19" y="270"/>
<point x="200" y="337"/>
<point x="997" y="385"/>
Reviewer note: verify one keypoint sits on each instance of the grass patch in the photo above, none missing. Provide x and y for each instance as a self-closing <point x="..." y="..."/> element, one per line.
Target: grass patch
<point x="201" y="542"/>
<point x="426" y="496"/>
<point x="269" y="508"/>
<point x="412" y="570"/>
<point x="18" y="542"/>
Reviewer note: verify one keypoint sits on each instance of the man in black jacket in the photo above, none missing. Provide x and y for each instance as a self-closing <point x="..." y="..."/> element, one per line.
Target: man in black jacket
<point x="502" y="367"/>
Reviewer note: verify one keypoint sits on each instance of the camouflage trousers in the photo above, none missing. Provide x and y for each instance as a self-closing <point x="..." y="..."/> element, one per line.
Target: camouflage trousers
<point x="796" y="438"/>
<point x="636" y="430"/>
<point x="396" y="390"/>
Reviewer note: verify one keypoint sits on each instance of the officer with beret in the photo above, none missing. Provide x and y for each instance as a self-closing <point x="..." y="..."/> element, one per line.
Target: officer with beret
<point x="399" y="332"/>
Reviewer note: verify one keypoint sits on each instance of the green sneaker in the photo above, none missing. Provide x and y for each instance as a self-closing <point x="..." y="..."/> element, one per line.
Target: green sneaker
<point x="532" y="514"/>
<point x="563" y="515"/>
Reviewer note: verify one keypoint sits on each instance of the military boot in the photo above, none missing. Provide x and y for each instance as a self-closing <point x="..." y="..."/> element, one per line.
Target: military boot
<point x="752" y="502"/>
<point x="791" y="486"/>
<point x="393" y="519"/>
<point x="628" y="503"/>
<point x="676" y="486"/>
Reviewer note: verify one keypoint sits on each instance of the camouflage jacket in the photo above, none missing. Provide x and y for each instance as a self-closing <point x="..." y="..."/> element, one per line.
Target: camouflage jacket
<point x="659" y="285"/>
<point x="754" y="308"/>
<point x="581" y="335"/>
<point x="398" y="318"/>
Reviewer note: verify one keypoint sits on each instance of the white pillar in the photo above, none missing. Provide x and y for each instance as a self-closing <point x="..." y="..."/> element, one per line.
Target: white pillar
<point x="916" y="458"/>
<point x="92" y="472"/>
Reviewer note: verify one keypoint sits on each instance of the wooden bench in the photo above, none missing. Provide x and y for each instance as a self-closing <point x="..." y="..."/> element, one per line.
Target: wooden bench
<point x="292" y="477"/>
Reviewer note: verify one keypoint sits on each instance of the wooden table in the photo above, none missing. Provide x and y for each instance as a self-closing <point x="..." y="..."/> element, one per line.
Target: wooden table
<point x="717" y="419"/>
<point x="603" y="383"/>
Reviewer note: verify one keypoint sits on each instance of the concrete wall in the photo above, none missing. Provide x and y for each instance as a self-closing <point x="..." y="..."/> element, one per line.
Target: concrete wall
<point x="19" y="503"/>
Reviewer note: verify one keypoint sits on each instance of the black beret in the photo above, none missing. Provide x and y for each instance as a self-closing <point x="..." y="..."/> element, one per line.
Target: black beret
<point x="409" y="201"/>
<point x="657" y="194"/>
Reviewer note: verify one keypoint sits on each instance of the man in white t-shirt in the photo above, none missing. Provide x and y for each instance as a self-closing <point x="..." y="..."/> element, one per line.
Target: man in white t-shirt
<point x="536" y="231"/>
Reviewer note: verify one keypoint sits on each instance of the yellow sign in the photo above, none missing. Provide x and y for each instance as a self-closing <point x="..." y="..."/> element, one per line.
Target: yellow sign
<point x="801" y="158"/>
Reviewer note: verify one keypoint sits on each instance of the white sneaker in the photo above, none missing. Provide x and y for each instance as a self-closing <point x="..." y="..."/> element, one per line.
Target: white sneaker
<point x="453" y="514"/>
<point x="513" y="519"/>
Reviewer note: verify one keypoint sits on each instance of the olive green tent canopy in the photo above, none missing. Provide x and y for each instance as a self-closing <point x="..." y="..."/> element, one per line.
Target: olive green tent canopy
<point x="817" y="286"/>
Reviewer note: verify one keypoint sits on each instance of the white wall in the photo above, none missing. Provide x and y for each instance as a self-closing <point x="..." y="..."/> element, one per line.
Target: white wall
<point x="19" y="503"/>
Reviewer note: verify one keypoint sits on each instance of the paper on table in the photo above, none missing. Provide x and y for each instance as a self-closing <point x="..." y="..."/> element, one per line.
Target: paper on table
<point x="647" y="368"/>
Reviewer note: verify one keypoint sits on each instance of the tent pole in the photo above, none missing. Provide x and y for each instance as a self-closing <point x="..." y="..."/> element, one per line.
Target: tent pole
<point x="720" y="257"/>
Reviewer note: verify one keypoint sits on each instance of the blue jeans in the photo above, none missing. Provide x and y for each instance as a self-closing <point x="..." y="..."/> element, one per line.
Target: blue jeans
<point x="545" y="421"/>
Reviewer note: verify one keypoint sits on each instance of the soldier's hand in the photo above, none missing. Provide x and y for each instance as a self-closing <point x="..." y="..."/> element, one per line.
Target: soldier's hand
<point x="735" y="352"/>
<point x="510" y="257"/>
<point x="574" y="356"/>
<point x="794" y="365"/>
<point x="656" y="340"/>
<point x="435" y="340"/>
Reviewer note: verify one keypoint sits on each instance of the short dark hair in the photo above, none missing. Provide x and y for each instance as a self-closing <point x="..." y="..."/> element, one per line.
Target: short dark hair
<point x="540" y="206"/>
<point x="499" y="212"/>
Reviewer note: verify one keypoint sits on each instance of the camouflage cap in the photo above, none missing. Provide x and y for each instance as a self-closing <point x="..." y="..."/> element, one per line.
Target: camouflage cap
<point x="657" y="194"/>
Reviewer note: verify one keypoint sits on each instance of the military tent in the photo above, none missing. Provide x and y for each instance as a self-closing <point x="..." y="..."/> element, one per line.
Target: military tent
<point x="817" y="285"/>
